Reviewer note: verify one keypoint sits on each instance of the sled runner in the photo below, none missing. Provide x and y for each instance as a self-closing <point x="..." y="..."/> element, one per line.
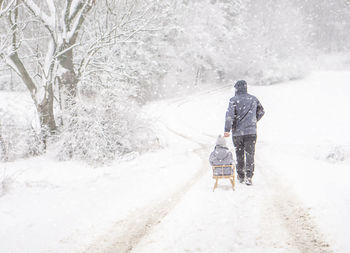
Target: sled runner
<point x="224" y="171"/>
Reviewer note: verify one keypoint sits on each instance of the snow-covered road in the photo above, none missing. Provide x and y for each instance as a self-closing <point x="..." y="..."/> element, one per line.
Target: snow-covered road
<point x="267" y="217"/>
<point x="283" y="211"/>
<point x="163" y="201"/>
<point x="292" y="204"/>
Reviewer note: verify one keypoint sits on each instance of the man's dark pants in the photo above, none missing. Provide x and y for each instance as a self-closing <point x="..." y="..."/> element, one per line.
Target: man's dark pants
<point x="245" y="150"/>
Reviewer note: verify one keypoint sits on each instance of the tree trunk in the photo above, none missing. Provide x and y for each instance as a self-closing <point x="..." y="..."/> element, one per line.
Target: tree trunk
<point x="45" y="108"/>
<point x="47" y="119"/>
<point x="46" y="116"/>
<point x="68" y="79"/>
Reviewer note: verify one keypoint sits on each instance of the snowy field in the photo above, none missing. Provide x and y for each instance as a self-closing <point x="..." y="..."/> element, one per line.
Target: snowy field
<point x="163" y="201"/>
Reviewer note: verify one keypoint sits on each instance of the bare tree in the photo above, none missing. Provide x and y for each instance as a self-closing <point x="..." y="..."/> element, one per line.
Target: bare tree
<point x="58" y="24"/>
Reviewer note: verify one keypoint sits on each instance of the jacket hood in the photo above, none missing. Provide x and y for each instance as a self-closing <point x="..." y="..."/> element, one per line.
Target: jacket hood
<point x="221" y="152"/>
<point x="241" y="87"/>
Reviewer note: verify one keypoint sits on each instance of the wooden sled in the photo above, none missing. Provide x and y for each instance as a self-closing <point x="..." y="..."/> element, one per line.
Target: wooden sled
<point x="224" y="171"/>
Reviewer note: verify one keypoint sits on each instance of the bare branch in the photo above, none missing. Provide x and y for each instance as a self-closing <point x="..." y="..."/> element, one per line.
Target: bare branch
<point x="66" y="50"/>
<point x="16" y="64"/>
<point x="73" y="13"/>
<point x="49" y="21"/>
<point x="105" y="39"/>
<point x="73" y="34"/>
<point x="65" y="16"/>
<point x="5" y="9"/>
<point x="144" y="13"/>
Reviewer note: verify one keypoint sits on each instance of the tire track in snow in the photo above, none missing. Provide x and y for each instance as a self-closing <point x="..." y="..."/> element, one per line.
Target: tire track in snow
<point x="296" y="219"/>
<point x="126" y="234"/>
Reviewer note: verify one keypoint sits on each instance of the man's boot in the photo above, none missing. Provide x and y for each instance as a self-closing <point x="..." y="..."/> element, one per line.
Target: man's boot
<point x="248" y="181"/>
<point x="240" y="179"/>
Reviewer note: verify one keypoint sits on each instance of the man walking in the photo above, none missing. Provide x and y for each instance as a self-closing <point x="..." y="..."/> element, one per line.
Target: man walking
<point x="244" y="111"/>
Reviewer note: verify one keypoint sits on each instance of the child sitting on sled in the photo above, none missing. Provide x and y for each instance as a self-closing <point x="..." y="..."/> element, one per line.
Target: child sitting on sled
<point x="221" y="155"/>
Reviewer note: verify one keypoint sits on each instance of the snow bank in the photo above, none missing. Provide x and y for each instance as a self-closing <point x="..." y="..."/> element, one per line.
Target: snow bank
<point x="304" y="142"/>
<point x="17" y="116"/>
<point x="52" y="206"/>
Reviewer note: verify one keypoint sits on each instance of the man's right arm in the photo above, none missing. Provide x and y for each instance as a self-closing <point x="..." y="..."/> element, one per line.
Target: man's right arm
<point x="259" y="111"/>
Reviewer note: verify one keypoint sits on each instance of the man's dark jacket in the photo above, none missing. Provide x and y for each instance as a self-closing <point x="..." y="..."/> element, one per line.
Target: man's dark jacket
<point x="244" y="111"/>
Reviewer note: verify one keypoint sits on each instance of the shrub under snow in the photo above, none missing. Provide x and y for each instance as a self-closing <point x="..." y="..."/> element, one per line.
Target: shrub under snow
<point x="109" y="127"/>
<point x="333" y="153"/>
<point x="17" y="139"/>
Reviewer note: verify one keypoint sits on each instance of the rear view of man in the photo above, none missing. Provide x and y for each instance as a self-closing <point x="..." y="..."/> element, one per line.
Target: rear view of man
<point x="242" y="115"/>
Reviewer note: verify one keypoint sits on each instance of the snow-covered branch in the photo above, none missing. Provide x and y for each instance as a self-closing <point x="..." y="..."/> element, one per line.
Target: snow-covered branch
<point x="74" y="8"/>
<point x="48" y="21"/>
<point x="140" y="17"/>
<point x="5" y="8"/>
<point x="52" y="8"/>
<point x="77" y="17"/>
<point x="14" y="60"/>
<point x="64" y="51"/>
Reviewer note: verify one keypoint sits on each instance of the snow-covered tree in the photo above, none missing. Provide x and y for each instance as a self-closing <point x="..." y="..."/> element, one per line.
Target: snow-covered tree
<point x="89" y="65"/>
<point x="116" y="69"/>
<point x="58" y="48"/>
<point x="39" y="48"/>
<point x="329" y="22"/>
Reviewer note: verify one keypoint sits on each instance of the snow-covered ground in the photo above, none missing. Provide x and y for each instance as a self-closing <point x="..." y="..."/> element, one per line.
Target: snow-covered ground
<point x="14" y="103"/>
<point x="163" y="201"/>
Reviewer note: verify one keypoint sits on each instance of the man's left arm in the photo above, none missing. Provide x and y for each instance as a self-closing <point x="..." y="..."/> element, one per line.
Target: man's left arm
<point x="230" y="116"/>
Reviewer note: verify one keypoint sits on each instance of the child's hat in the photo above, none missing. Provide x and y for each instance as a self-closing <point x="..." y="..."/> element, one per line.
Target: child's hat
<point x="221" y="141"/>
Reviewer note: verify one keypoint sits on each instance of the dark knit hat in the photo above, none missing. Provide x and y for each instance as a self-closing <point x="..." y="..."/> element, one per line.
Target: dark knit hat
<point x="240" y="84"/>
<point x="241" y="87"/>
